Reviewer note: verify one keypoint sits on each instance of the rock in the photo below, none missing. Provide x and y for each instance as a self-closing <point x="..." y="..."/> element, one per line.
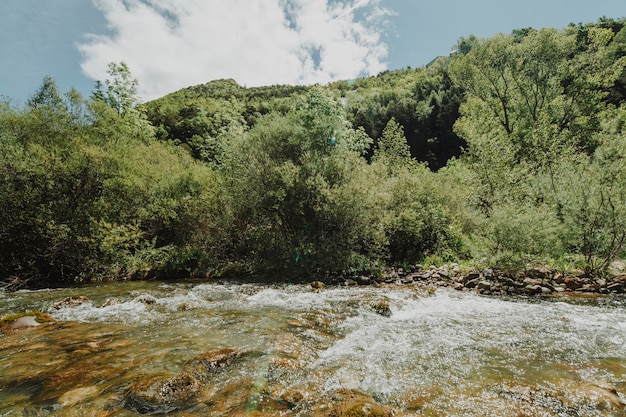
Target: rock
<point x="382" y="308"/>
<point x="443" y="272"/>
<point x="573" y="283"/>
<point x="72" y="301"/>
<point x="540" y="272"/>
<point x="293" y="397"/>
<point x="545" y="290"/>
<point x="356" y="404"/>
<point x="161" y="395"/>
<point x="110" y="302"/>
<point x="487" y="273"/>
<point x="318" y="285"/>
<point x="145" y="299"/>
<point x="471" y="277"/>
<point x="425" y="275"/>
<point x="617" y="288"/>
<point x="18" y="321"/>
<point x="600" y="394"/>
<point x="533" y="289"/>
<point x="484" y="286"/>
<point x="202" y="366"/>
<point x="350" y="283"/>
<point x="472" y="283"/>
<point x="364" y="280"/>
<point x="531" y="281"/>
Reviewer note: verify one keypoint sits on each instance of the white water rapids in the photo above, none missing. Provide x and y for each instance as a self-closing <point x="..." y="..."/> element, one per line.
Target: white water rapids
<point x="437" y="354"/>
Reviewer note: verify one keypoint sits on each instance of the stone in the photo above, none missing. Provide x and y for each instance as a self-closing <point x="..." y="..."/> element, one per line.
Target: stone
<point x="617" y="288"/>
<point x="471" y="277"/>
<point x="484" y="286"/>
<point x="318" y="285"/>
<point x="382" y="308"/>
<point x="356" y="404"/>
<point x="540" y="272"/>
<point x="443" y="272"/>
<point x="293" y="397"/>
<point x="487" y="272"/>
<point x="202" y="366"/>
<point x="573" y="283"/>
<point x="72" y="301"/>
<point x="531" y="281"/>
<point x="364" y="280"/>
<point x="545" y="290"/>
<point x="533" y="289"/>
<point x="161" y="395"/>
<point x="472" y="283"/>
<point x="146" y="299"/>
<point x="12" y="322"/>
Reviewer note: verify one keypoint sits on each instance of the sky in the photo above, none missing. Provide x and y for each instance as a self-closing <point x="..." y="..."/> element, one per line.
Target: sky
<point x="172" y="44"/>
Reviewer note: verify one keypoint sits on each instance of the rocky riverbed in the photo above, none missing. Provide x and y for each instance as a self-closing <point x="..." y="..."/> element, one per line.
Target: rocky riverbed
<point x="408" y="345"/>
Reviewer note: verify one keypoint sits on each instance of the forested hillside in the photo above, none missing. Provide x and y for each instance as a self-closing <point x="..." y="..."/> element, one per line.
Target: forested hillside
<point x="509" y="153"/>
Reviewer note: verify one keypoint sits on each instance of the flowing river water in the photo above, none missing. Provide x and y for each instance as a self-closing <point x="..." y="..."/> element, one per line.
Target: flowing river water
<point x="292" y="350"/>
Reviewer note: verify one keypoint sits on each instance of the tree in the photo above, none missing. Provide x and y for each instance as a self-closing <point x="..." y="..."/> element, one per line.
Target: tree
<point x="392" y="148"/>
<point x="119" y="90"/>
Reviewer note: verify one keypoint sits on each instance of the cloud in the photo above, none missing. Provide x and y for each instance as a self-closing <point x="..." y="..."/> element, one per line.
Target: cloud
<point x="171" y="44"/>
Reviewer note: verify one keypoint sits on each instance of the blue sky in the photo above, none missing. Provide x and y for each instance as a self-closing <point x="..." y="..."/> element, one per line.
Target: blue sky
<point x="170" y="44"/>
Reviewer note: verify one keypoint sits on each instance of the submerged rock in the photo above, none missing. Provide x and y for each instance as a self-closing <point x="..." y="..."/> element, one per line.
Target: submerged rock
<point x="160" y="395"/>
<point x="205" y="364"/>
<point x="356" y="404"/>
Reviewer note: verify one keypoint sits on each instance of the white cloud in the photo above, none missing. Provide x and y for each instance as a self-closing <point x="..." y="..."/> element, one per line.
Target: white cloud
<point x="170" y="44"/>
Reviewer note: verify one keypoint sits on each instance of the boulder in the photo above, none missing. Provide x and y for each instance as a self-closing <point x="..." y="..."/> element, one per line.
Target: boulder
<point x="484" y="286"/>
<point x="18" y="321"/>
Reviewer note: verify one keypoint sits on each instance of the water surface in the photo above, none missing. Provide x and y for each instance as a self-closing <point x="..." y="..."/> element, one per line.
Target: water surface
<point x="438" y="354"/>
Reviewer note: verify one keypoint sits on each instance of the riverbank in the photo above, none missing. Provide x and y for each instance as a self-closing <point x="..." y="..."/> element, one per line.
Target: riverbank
<point x="531" y="281"/>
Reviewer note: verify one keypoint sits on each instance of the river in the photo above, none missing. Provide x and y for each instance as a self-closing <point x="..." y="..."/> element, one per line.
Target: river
<point x="134" y="348"/>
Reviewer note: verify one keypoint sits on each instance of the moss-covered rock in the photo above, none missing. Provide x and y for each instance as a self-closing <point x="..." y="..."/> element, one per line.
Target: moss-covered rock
<point x="17" y="321"/>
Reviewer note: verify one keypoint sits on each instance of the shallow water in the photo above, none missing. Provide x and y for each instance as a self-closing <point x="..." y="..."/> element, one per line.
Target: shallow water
<point x="439" y="354"/>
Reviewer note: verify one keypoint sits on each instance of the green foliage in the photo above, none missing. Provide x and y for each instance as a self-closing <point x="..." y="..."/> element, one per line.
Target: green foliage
<point x="536" y="122"/>
<point x="339" y="179"/>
